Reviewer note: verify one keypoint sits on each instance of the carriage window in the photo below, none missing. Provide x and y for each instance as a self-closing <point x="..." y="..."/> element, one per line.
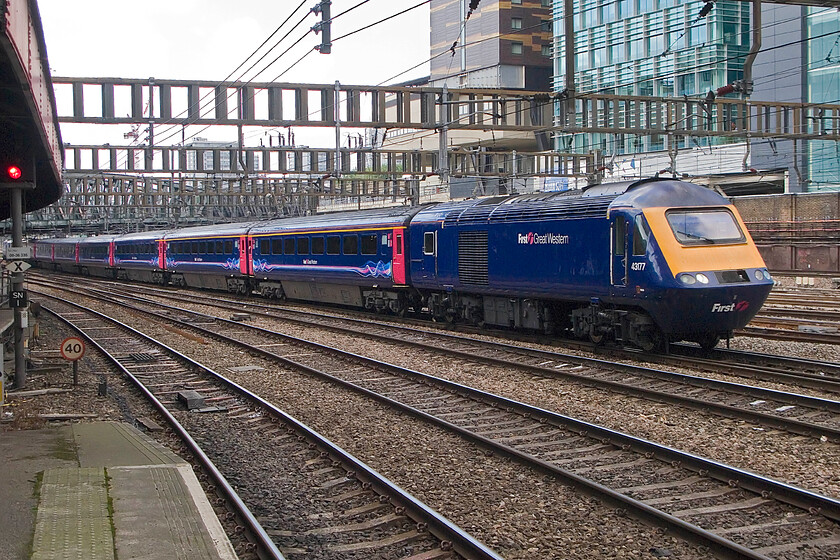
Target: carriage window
<point x="303" y="245"/>
<point x="619" y="235"/>
<point x="369" y="244"/>
<point x="289" y="246"/>
<point x="276" y="246"/>
<point x="640" y="236"/>
<point x="264" y="246"/>
<point x="229" y="246"/>
<point x="704" y="227"/>
<point x="194" y="247"/>
<point x="351" y="245"/>
<point x="318" y="245"/>
<point x="333" y="245"/>
<point x="399" y="244"/>
<point x="220" y="247"/>
<point x="429" y="243"/>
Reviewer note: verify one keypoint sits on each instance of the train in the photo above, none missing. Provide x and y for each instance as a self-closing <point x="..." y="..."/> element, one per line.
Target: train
<point x="640" y="263"/>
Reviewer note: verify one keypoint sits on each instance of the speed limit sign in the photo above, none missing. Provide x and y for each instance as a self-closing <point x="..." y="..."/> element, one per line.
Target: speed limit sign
<point x="72" y="348"/>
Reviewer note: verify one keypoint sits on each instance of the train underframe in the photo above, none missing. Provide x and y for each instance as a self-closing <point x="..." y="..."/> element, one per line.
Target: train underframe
<point x="596" y="321"/>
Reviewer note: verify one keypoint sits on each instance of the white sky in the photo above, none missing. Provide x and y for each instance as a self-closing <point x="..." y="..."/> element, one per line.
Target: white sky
<point x="208" y="39"/>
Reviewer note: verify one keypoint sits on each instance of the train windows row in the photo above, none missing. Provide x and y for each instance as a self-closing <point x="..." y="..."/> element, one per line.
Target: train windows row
<point x="218" y="247"/>
<point x="93" y="251"/>
<point x="65" y="251"/>
<point x="137" y="248"/>
<point x="318" y="245"/>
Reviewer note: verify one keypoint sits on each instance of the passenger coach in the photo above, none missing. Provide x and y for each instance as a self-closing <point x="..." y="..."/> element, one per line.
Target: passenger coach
<point x="357" y="258"/>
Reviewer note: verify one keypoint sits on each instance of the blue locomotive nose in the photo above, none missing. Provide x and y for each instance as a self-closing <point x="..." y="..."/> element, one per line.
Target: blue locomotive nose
<point x="717" y="309"/>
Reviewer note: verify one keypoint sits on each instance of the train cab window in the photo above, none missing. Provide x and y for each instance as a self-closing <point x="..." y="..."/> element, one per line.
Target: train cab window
<point x="369" y="244"/>
<point x="318" y="245"/>
<point x="302" y="245"/>
<point x="289" y="246"/>
<point x="640" y="236"/>
<point x="351" y="244"/>
<point x="429" y="243"/>
<point x="333" y="245"/>
<point x="619" y="235"/>
<point x="228" y="247"/>
<point x="704" y="227"/>
<point x="265" y="247"/>
<point x="276" y="246"/>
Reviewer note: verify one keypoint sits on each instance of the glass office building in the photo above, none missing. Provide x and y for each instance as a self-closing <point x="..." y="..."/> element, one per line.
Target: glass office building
<point x="823" y="86"/>
<point x="649" y="47"/>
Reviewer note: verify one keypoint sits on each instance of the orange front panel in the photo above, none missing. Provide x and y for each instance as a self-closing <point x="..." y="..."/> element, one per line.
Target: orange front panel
<point x="685" y="258"/>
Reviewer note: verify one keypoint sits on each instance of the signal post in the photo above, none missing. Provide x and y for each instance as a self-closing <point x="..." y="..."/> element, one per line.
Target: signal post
<point x="16" y="181"/>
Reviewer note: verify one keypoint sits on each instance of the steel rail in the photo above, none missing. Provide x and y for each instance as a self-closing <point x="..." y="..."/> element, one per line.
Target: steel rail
<point x="764" y="486"/>
<point x="438" y="525"/>
<point x="265" y="546"/>
<point x="779" y="422"/>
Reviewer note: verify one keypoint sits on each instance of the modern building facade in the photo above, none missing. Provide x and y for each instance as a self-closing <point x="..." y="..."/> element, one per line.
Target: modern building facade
<point x="650" y="47"/>
<point x="672" y="48"/>
<point x="822" y="29"/>
<point x="503" y="44"/>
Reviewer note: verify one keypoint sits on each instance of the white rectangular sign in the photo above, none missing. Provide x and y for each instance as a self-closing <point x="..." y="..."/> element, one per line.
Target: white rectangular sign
<point x="17" y="253"/>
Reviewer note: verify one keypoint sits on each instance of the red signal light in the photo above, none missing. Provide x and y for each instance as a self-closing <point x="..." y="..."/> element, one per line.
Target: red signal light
<point x="14" y="172"/>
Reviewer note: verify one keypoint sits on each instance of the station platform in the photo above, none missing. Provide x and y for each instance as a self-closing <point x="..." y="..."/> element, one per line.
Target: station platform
<point x="102" y="490"/>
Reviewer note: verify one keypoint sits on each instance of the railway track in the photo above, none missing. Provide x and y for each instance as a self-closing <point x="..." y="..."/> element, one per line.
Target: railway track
<point x="735" y="513"/>
<point x="352" y="509"/>
<point x="801" y="414"/>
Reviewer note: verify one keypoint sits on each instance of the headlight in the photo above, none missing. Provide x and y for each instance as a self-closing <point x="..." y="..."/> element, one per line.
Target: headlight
<point x="702" y="278"/>
<point x="686" y="279"/>
<point x="759" y="275"/>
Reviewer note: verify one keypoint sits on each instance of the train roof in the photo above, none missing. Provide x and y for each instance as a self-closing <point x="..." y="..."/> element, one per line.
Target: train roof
<point x="379" y="217"/>
<point x="592" y="202"/>
<point x="95" y="239"/>
<point x="140" y="236"/>
<point x="204" y="232"/>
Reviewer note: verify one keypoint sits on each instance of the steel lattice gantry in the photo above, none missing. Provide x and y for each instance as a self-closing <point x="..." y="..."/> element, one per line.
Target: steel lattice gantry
<point x="161" y="183"/>
<point x="424" y="108"/>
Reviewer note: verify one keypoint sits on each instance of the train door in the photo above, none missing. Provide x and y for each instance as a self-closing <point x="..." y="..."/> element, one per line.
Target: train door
<point x="398" y="258"/>
<point x="637" y="245"/>
<point x="161" y="254"/>
<point x="245" y="245"/>
<point x="428" y="258"/>
<point x="619" y="263"/>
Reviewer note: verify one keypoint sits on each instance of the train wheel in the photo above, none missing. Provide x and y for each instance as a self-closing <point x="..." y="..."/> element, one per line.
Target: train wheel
<point x="596" y="337"/>
<point x="708" y="342"/>
<point x="651" y="341"/>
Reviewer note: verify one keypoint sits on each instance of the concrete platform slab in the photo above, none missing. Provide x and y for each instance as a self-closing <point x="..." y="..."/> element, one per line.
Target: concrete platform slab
<point x="160" y="512"/>
<point x="114" y="444"/>
<point x="73" y="521"/>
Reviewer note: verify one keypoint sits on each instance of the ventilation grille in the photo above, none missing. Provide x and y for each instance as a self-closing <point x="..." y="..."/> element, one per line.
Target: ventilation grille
<point x="472" y="257"/>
